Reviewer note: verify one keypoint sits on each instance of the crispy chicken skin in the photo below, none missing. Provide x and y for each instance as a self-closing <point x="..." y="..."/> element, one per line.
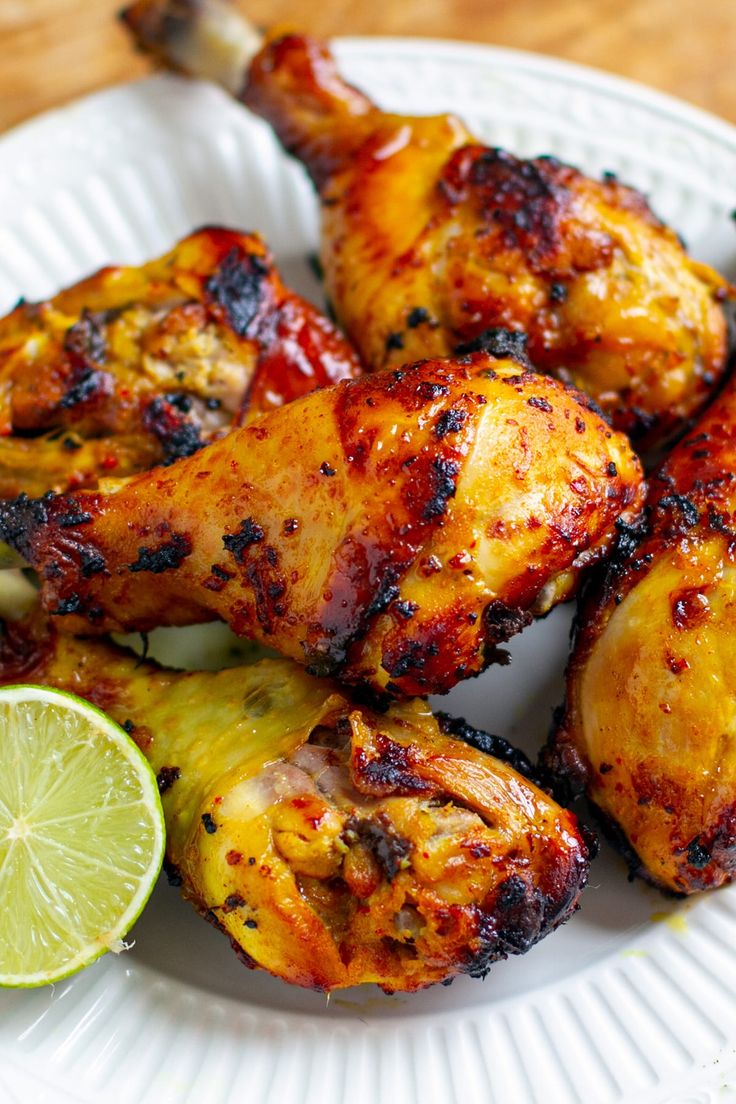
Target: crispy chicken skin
<point x="429" y="239"/>
<point x="390" y="530"/>
<point x="139" y="366"/>
<point x="649" y="727"/>
<point x="333" y="845"/>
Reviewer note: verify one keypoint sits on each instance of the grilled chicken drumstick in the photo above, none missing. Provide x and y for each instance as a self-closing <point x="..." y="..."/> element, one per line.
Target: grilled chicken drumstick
<point x="429" y="238"/>
<point x="333" y="845"/>
<point x="649" y="728"/>
<point x="390" y="530"/>
<point x="139" y="366"/>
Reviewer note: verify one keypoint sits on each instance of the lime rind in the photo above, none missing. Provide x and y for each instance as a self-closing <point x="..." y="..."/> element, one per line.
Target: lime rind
<point x="81" y="834"/>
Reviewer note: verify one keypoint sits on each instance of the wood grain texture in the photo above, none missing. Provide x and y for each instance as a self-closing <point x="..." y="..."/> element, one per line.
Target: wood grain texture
<point x="54" y="50"/>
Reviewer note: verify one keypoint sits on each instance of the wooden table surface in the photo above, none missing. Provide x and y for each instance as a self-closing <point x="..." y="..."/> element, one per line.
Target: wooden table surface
<point x="53" y="50"/>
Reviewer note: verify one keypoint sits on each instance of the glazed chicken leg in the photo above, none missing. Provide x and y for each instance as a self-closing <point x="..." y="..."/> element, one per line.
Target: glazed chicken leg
<point x="429" y="238"/>
<point x="649" y="728"/>
<point x="391" y="530"/>
<point x="333" y="845"/>
<point x="134" y="367"/>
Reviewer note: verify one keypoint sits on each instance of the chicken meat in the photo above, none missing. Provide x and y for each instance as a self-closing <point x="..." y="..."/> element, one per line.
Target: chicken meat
<point x="391" y="530"/>
<point x="649" y="726"/>
<point x="430" y="238"/>
<point x="332" y="845"/>
<point x="134" y="367"/>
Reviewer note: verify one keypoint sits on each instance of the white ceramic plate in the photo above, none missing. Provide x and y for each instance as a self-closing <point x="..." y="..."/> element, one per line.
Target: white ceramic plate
<point x="635" y="999"/>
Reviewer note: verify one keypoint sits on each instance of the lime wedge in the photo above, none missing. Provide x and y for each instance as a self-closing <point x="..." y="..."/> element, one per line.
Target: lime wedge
<point x="81" y="834"/>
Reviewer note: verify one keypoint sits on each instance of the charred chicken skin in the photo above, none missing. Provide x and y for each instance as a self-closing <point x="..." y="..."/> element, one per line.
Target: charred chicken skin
<point x="649" y="727"/>
<point x="134" y="367"/>
<point x="333" y="845"/>
<point x="430" y="239"/>
<point x="391" y="530"/>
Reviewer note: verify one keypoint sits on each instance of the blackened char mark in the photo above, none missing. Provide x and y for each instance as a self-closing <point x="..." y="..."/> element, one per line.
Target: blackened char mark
<point x="87" y="385"/>
<point x="173" y="874"/>
<point x="178" y="436"/>
<point x="684" y="512"/>
<point x="71" y="604"/>
<point x="670" y="517"/>
<point x="629" y="535"/>
<point x="85" y="340"/>
<point x="430" y="476"/>
<point x="443" y="475"/>
<point x="232" y="902"/>
<point x="21" y="521"/>
<point x="450" y="421"/>
<point x="612" y="578"/>
<point x="260" y="564"/>
<point x="430" y="389"/>
<point x="218" y="579"/>
<point x="417" y="316"/>
<point x="75" y="603"/>
<point x="487" y="743"/>
<point x="500" y="343"/>
<point x="511" y="925"/>
<point x="711" y="855"/>
<point x="237" y="287"/>
<point x="520" y="913"/>
<point x="718" y="523"/>
<point x="523" y="913"/>
<point x="525" y="200"/>
<point x="86" y="349"/>
<point x="387" y="592"/>
<point x="72" y="520"/>
<point x="166" y="557"/>
<point x="514" y="925"/>
<point x="557" y="293"/>
<point x="389" y="772"/>
<point x="179" y="400"/>
<point x="91" y="562"/>
<point x="633" y="420"/>
<point x="408" y="658"/>
<point x="389" y="849"/>
<point x="501" y="622"/>
<point x="698" y="854"/>
<point x="269" y="587"/>
<point x="166" y="778"/>
<point x="250" y="533"/>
